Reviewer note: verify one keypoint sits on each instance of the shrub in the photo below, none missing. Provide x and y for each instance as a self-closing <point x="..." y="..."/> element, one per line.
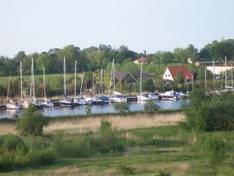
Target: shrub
<point x="127" y="170"/>
<point x="121" y="107"/>
<point x="161" y="173"/>
<point x="213" y="149"/>
<point x="17" y="152"/>
<point x="46" y="156"/>
<point x="75" y="146"/>
<point x="215" y="114"/>
<point x="11" y="143"/>
<point x="88" y="110"/>
<point x="150" y="106"/>
<point x="31" y="122"/>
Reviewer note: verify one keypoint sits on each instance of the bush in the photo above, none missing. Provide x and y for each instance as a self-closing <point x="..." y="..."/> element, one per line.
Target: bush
<point x="121" y="107"/>
<point x="31" y="122"/>
<point x="43" y="157"/>
<point x="213" y="149"/>
<point x="88" y="109"/>
<point x="161" y="173"/>
<point x="107" y="140"/>
<point x="213" y="114"/>
<point x="17" y="152"/>
<point x="150" y="106"/>
<point x="72" y="146"/>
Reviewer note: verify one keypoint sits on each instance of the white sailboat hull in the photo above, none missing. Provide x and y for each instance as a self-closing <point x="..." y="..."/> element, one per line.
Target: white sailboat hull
<point x="12" y="106"/>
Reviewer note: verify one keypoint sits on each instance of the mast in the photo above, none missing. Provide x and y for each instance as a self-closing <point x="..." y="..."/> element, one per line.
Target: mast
<point x="114" y="73"/>
<point x="32" y="79"/>
<point x="21" y="83"/>
<point x="8" y="87"/>
<point x="81" y="86"/>
<point x="93" y="88"/>
<point x="232" y="75"/>
<point x="205" y="78"/>
<point x="213" y="74"/>
<point x="44" y="83"/>
<point x="101" y="81"/>
<point x="225" y="72"/>
<point x="75" y="80"/>
<point x="64" y="76"/>
<point x="141" y="80"/>
<point x="112" y="77"/>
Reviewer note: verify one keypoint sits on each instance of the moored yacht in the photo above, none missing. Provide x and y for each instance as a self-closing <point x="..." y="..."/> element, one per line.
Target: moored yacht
<point x="169" y="95"/>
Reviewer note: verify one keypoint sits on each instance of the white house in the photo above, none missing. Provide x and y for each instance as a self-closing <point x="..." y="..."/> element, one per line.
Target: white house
<point x="171" y="73"/>
<point x="218" y="69"/>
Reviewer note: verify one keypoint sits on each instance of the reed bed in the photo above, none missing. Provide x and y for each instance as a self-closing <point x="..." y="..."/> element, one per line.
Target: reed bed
<point x="83" y="125"/>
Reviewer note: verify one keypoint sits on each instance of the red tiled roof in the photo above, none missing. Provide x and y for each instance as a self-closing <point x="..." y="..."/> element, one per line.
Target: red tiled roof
<point x="180" y="69"/>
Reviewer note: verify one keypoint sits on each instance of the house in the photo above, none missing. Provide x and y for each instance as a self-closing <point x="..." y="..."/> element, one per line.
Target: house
<point x="142" y="60"/>
<point x="173" y="71"/>
<point x="124" y="78"/>
<point x="219" y="69"/>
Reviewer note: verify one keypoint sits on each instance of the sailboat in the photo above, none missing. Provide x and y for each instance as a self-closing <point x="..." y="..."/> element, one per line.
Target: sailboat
<point x="46" y="102"/>
<point x="35" y="103"/>
<point x="23" y="103"/>
<point x="142" y="96"/>
<point x="115" y="97"/>
<point x="10" y="103"/>
<point x="66" y="101"/>
<point x="80" y="100"/>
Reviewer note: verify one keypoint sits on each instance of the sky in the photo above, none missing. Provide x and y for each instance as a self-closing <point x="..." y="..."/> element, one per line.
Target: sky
<point x="151" y="25"/>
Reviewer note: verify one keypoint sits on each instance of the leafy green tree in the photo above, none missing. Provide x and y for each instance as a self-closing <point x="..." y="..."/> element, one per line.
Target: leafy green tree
<point x="150" y="106"/>
<point x="31" y="122"/>
<point x="121" y="107"/>
<point x="148" y="85"/>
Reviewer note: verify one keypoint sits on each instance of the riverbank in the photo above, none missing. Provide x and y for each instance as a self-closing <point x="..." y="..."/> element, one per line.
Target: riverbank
<point x="81" y="124"/>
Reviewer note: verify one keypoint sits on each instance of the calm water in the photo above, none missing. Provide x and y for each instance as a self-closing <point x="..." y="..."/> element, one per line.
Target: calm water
<point x="80" y="110"/>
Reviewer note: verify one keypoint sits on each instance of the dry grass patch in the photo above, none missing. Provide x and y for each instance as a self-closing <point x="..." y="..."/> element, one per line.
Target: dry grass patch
<point x="7" y="128"/>
<point x="120" y="122"/>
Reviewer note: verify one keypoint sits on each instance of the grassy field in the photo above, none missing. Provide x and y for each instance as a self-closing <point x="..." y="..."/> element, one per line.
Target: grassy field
<point x="154" y="144"/>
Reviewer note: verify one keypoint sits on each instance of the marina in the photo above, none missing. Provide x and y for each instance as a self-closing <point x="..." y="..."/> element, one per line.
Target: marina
<point x="96" y="109"/>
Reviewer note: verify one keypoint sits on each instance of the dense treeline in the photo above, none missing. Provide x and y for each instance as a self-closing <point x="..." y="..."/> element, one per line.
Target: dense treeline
<point x="94" y="58"/>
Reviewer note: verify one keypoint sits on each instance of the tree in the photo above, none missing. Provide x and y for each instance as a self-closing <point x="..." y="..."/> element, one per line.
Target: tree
<point x="44" y="60"/>
<point x="31" y="122"/>
<point x="150" y="106"/>
<point x="121" y="107"/>
<point x="148" y="85"/>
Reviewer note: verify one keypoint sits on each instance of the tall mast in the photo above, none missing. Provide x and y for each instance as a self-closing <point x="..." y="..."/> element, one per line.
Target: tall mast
<point x="205" y="78"/>
<point x="101" y="81"/>
<point x="114" y="73"/>
<point x="32" y="79"/>
<point x="21" y="83"/>
<point x="93" y="86"/>
<point x="225" y="72"/>
<point x="213" y="75"/>
<point x="75" y="80"/>
<point x="112" y="77"/>
<point x="44" y="83"/>
<point x="64" y="76"/>
<point x="81" y="85"/>
<point x="141" y="80"/>
<point x="8" y="87"/>
<point x="232" y="75"/>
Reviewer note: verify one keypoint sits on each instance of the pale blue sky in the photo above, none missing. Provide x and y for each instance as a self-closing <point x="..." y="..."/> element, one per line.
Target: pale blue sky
<point x="38" y="25"/>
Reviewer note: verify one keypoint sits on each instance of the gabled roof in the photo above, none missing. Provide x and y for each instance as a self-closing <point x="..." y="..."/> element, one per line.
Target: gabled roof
<point x="180" y="69"/>
<point x="120" y="76"/>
